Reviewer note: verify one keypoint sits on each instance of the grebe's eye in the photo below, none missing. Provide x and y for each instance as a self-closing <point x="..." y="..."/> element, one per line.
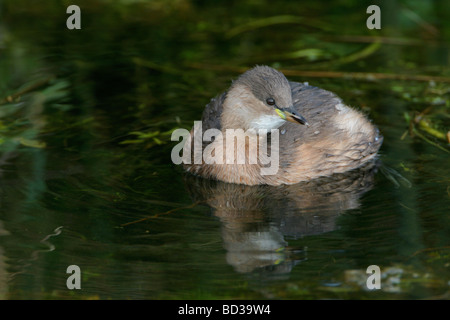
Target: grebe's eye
<point x="270" y="102"/>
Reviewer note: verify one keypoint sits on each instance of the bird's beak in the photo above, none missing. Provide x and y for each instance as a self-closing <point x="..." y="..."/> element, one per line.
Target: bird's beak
<point x="289" y="114"/>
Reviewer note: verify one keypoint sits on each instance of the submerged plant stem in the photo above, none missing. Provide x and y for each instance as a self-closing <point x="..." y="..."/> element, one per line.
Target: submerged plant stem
<point x="370" y="76"/>
<point x="160" y="214"/>
<point x="270" y="21"/>
<point x="28" y="89"/>
<point x="416" y="132"/>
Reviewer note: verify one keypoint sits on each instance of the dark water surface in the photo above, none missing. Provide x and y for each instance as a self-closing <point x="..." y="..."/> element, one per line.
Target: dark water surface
<point x="86" y="176"/>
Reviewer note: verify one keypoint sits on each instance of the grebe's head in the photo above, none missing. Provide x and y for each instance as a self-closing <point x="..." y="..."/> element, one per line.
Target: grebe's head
<point x="260" y="98"/>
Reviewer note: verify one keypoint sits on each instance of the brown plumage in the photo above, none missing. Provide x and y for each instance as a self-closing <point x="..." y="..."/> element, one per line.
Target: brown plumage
<point x="335" y="139"/>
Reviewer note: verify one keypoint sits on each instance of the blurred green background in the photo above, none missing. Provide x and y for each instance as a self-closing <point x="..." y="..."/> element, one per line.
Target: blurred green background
<point x="86" y="118"/>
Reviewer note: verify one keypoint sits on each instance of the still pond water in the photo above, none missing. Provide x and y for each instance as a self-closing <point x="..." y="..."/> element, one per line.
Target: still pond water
<point x="86" y="177"/>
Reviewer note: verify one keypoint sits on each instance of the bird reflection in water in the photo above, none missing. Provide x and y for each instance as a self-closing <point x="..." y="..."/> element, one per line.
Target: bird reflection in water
<point x="257" y="221"/>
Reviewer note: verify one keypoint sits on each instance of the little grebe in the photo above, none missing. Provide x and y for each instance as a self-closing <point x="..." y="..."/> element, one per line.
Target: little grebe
<point x="318" y="134"/>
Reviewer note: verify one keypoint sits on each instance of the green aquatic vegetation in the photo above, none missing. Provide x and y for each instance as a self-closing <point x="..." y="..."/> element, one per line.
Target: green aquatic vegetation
<point x="429" y="118"/>
<point x="396" y="281"/>
<point x="23" y="114"/>
<point x="274" y="20"/>
<point x="150" y="139"/>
